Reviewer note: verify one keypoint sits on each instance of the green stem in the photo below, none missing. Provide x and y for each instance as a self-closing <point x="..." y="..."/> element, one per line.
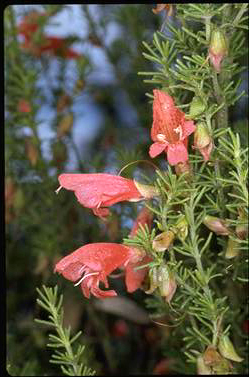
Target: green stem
<point x="61" y="332"/>
<point x="204" y="286"/>
<point x="222" y="114"/>
<point x="208" y="27"/>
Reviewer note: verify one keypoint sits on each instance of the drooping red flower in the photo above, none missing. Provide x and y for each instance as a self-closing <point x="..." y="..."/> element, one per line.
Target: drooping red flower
<point x="133" y="277"/>
<point x="30" y="24"/>
<point x="23" y="106"/>
<point x="170" y="129"/>
<point x="100" y="190"/>
<point x="55" y="46"/>
<point x="91" y="264"/>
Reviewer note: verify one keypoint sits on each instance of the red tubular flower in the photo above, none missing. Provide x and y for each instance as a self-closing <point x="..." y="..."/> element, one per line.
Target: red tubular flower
<point x="57" y="46"/>
<point x="54" y="45"/>
<point x="170" y="129"/>
<point x="23" y="106"/>
<point x="91" y="264"/>
<point x="100" y="190"/>
<point x="133" y="277"/>
<point x="29" y="24"/>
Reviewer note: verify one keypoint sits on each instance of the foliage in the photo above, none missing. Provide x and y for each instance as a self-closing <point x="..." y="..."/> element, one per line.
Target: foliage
<point x="51" y="102"/>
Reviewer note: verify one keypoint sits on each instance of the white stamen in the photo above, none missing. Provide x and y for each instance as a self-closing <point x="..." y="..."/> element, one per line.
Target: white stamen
<point x="58" y="189"/>
<point x="99" y="204"/>
<point x="85" y="276"/>
<point x="178" y="130"/>
<point x="161" y="137"/>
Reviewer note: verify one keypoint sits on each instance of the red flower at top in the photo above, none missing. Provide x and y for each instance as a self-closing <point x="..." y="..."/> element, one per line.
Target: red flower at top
<point x="57" y="46"/>
<point x="133" y="277"/>
<point x="23" y="106"/>
<point x="100" y="190"/>
<point x="53" y="45"/>
<point x="91" y="264"/>
<point x="29" y="24"/>
<point x="170" y="129"/>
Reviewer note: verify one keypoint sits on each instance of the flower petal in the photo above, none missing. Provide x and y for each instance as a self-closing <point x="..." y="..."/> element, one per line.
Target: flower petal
<point x="156" y="149"/>
<point x="188" y="128"/>
<point x="102" y="256"/>
<point x="100" y="189"/>
<point x="134" y="278"/>
<point x="177" y="153"/>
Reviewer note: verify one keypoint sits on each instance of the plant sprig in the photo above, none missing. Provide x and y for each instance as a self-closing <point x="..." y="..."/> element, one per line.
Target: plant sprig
<point x="70" y="360"/>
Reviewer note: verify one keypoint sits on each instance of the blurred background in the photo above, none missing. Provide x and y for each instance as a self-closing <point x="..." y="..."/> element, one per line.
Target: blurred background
<point x="78" y="106"/>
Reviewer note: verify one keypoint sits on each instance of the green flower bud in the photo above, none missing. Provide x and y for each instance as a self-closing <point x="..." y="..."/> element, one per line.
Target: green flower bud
<point x="166" y="282"/>
<point x="181" y="228"/>
<point x="211" y="357"/>
<point x="196" y="107"/>
<point x="223" y="367"/>
<point x="153" y="280"/>
<point x="218" y="48"/>
<point x="202" y="140"/>
<point x="242" y="227"/>
<point x="163" y="240"/>
<point x="216" y="225"/>
<point x="242" y="231"/>
<point x="161" y="277"/>
<point x="202" y="368"/>
<point x="232" y="249"/>
<point x="227" y="350"/>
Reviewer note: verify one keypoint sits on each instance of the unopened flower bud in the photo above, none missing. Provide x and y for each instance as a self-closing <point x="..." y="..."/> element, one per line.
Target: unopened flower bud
<point x="31" y="151"/>
<point x="222" y="368"/>
<point x="163" y="240"/>
<point x="216" y="225"/>
<point x="211" y="356"/>
<point x="202" y="140"/>
<point x="65" y="125"/>
<point x="197" y="107"/>
<point x="227" y="350"/>
<point x="202" y="368"/>
<point x="181" y="228"/>
<point x="242" y="231"/>
<point x="183" y="167"/>
<point x="232" y="249"/>
<point x="242" y="227"/>
<point x="218" y="48"/>
<point x="166" y="282"/>
<point x="153" y="280"/>
<point x="147" y="191"/>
